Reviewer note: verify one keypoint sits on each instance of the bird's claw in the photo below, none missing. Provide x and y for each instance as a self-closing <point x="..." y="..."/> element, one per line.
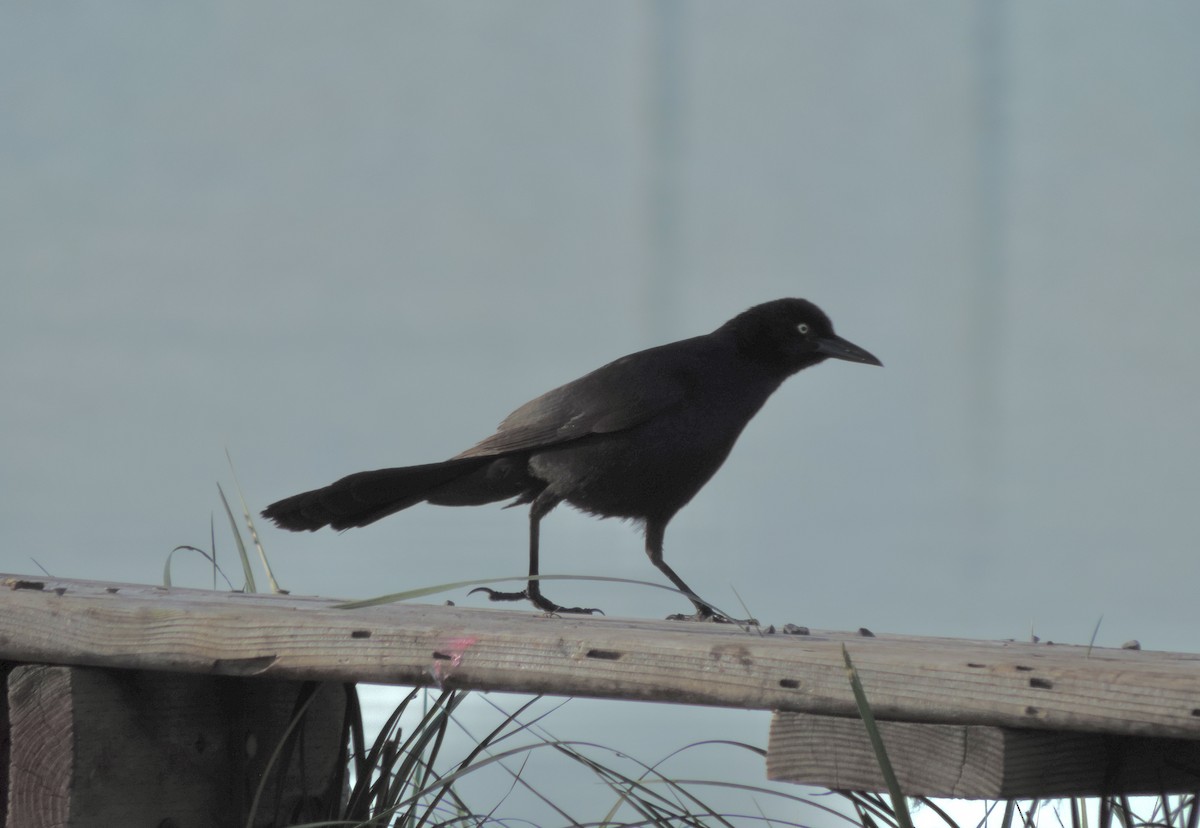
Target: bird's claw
<point x="497" y="595"/>
<point x="546" y="606"/>
<point x="555" y="609"/>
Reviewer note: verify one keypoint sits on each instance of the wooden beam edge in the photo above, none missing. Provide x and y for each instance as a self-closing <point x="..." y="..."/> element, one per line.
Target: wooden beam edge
<point x="925" y="680"/>
<point x="977" y="762"/>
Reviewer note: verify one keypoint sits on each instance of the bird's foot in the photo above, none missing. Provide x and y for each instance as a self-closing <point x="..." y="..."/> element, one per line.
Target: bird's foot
<point x="537" y="599"/>
<point x="711" y="615"/>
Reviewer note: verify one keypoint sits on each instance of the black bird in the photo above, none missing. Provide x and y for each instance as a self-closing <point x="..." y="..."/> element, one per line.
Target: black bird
<point x="635" y="439"/>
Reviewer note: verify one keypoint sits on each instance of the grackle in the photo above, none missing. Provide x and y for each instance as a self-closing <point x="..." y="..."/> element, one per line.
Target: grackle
<point x="634" y="439"/>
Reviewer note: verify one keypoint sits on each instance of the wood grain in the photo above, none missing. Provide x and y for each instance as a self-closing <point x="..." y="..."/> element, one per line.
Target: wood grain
<point x="977" y="762"/>
<point x="932" y="680"/>
<point x="93" y="747"/>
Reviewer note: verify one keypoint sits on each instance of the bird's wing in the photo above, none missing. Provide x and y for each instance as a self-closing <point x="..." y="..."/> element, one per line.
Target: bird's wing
<point x="618" y="396"/>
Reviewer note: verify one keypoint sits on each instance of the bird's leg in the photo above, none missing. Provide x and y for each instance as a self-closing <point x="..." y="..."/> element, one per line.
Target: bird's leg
<point x="655" y="530"/>
<point x="541" y="506"/>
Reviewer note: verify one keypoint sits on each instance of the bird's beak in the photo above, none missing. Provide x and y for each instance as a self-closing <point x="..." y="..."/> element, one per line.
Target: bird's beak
<point x="838" y="348"/>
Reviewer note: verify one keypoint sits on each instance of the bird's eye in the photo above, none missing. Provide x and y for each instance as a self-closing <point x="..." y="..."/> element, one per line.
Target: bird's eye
<point x="802" y="328"/>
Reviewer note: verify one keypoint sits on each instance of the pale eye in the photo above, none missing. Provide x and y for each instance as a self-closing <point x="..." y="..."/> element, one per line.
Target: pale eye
<point x="802" y="328"/>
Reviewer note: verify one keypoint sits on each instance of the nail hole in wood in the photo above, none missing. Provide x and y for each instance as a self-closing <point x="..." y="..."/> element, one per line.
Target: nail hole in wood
<point x="1041" y="683"/>
<point x="360" y="634"/>
<point x="790" y="684"/>
<point x="604" y="655"/>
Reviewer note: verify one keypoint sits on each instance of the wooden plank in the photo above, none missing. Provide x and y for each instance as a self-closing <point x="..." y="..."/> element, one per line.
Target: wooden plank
<point x="977" y="762"/>
<point x="5" y="741"/>
<point x="1009" y="684"/>
<point x="94" y="747"/>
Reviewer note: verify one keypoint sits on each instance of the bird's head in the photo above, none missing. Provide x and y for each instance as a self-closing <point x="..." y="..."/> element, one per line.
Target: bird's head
<point x="792" y="334"/>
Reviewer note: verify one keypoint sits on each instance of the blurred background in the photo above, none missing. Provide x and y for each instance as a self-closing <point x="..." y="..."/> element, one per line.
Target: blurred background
<point x="337" y="237"/>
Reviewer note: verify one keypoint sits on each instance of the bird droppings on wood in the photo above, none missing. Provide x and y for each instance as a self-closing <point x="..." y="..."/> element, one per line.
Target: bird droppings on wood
<point x="734" y="652"/>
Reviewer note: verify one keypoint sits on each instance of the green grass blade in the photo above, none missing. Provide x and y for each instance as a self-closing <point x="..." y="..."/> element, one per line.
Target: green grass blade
<point x="421" y="592"/>
<point x="899" y="804"/>
<point x="212" y="544"/>
<point x="237" y="537"/>
<point x="249" y="521"/>
<point x="480" y="746"/>
<point x="1095" y="632"/>
<point x="310" y="689"/>
<point x="186" y="548"/>
<point x="1010" y="810"/>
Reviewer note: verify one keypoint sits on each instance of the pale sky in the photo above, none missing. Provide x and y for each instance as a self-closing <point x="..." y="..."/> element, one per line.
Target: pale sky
<point x="331" y="238"/>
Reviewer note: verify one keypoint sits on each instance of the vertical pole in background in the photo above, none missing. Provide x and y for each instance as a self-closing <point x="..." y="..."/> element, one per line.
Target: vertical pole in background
<point x="665" y="163"/>
<point x="988" y="300"/>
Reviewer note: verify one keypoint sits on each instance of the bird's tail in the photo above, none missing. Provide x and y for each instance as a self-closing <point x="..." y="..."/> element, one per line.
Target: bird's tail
<point x="366" y="497"/>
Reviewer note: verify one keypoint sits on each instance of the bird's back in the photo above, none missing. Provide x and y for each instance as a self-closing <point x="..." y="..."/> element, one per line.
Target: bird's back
<point x="653" y="426"/>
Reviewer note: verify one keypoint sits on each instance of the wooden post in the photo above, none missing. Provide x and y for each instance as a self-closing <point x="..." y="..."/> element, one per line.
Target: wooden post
<point x="104" y="747"/>
<point x="977" y="762"/>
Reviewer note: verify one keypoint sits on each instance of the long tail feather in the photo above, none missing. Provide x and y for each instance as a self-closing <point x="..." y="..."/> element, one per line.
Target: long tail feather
<point x="365" y="497"/>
